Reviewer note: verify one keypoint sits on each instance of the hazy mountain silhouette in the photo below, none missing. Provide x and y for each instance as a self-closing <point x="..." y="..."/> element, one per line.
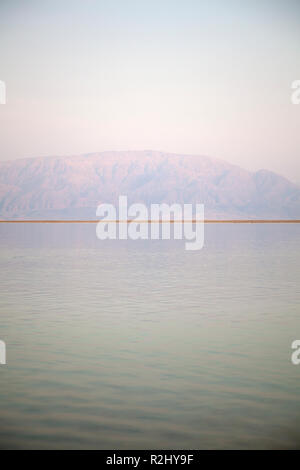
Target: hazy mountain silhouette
<point x="73" y="186"/>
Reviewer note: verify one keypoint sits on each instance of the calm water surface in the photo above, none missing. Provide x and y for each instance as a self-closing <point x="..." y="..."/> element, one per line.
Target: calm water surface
<point x="141" y="344"/>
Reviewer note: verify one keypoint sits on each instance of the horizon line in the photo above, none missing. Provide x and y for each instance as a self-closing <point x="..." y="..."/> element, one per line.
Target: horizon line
<point x="118" y="221"/>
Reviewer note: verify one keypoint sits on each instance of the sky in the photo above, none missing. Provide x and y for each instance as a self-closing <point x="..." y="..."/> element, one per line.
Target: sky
<point x="207" y="77"/>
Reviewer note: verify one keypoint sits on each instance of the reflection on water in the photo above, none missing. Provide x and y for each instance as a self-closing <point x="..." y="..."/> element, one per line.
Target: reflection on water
<point x="131" y="344"/>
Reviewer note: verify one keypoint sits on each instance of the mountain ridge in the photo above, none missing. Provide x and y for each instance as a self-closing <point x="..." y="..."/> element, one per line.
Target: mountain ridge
<point x="72" y="186"/>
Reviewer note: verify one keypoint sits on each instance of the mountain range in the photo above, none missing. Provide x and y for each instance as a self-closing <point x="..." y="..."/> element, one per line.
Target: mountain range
<point x="72" y="186"/>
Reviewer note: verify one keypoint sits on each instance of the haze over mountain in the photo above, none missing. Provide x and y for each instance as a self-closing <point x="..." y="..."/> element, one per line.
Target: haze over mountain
<point x="73" y="186"/>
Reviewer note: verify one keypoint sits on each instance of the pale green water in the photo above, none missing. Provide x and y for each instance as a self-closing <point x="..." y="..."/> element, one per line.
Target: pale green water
<point x="123" y="345"/>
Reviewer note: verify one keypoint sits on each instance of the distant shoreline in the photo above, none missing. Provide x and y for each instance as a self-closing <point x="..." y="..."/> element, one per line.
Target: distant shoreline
<point x="207" y="221"/>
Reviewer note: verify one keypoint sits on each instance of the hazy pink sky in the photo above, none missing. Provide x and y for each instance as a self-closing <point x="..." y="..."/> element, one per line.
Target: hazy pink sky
<point x="205" y="77"/>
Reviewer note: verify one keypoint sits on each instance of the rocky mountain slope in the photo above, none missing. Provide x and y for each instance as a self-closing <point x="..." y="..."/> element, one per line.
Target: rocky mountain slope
<point x="73" y="186"/>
